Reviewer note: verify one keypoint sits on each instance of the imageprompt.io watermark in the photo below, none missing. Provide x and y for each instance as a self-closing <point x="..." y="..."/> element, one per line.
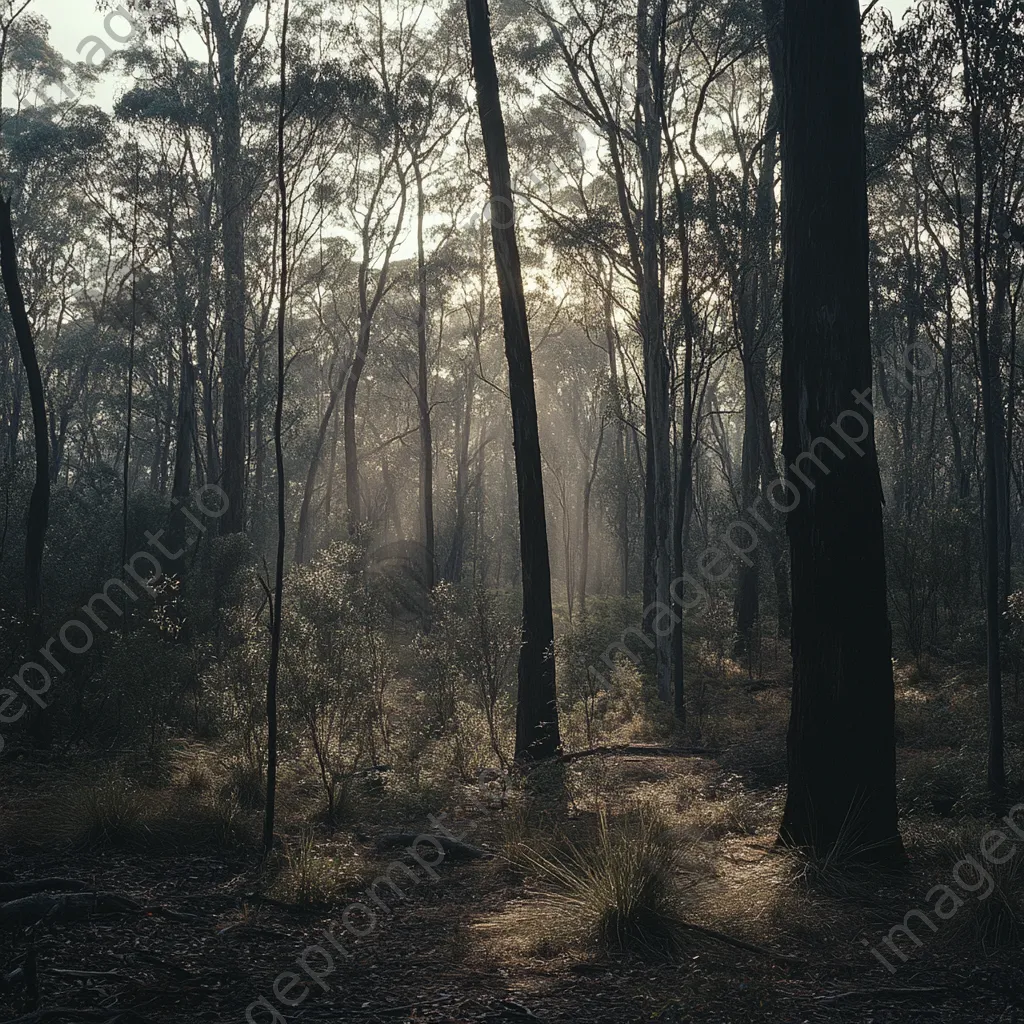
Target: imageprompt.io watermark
<point x="741" y="537"/>
<point x="76" y="636"/>
<point x="119" y="29"/>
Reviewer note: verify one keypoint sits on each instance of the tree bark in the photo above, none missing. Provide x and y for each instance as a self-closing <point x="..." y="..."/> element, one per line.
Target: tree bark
<point x="352" y="495"/>
<point x="303" y="533"/>
<point x="457" y="551"/>
<point x="184" y="429"/>
<point x="658" y="489"/>
<point x="277" y="609"/>
<point x="228" y="34"/>
<point x="537" y="734"/>
<point x="841" y="796"/>
<point x="39" y="503"/>
<point x="588" y="489"/>
<point x="423" y="390"/>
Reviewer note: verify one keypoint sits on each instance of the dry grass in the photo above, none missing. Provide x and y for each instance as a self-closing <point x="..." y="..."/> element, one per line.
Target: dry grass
<point x="245" y="784"/>
<point x="623" y="890"/>
<point x="311" y="877"/>
<point x="992" y="917"/>
<point x="114" y="814"/>
<point x="111" y="814"/>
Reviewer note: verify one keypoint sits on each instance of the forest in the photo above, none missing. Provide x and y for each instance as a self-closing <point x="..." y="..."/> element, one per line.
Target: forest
<point x="512" y="511"/>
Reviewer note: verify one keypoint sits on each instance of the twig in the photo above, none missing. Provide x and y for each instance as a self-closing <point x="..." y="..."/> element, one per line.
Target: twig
<point x="642" y="749"/>
<point x="123" y="1016"/>
<point x="18" y="890"/>
<point x="750" y="947"/>
<point x="898" y="993"/>
<point x="452" y="848"/>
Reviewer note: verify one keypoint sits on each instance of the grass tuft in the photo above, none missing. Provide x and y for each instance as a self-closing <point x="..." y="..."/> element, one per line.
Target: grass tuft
<point x="622" y="890"/>
<point x="110" y="814"/>
<point x="310" y="877"/>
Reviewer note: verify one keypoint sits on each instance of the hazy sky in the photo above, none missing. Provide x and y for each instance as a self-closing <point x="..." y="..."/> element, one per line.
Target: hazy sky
<point x="71" y="21"/>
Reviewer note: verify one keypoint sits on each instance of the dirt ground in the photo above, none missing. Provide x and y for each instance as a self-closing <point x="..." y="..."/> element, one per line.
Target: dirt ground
<point x="468" y="945"/>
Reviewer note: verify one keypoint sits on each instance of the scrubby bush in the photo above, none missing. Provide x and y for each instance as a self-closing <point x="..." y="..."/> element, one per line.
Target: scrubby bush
<point x="467" y="666"/>
<point x="336" y="671"/>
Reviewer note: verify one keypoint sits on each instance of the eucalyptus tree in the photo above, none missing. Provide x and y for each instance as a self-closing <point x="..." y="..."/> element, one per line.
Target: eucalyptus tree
<point x="841" y="797"/>
<point x="537" y="733"/>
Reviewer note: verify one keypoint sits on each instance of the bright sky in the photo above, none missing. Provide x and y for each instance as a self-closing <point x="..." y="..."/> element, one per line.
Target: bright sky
<point x="71" y="21"/>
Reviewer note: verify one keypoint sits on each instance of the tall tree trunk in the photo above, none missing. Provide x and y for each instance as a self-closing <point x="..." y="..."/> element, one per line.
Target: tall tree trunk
<point x="479" y="558"/>
<point x="658" y="489"/>
<point x="184" y="430"/>
<point x="684" y="471"/>
<point x="423" y="391"/>
<point x="537" y="734"/>
<point x="622" y="511"/>
<point x="204" y="348"/>
<point x="39" y="503"/>
<point x="329" y="496"/>
<point x="277" y="609"/>
<point x="228" y="34"/>
<point x="352" y="496"/>
<point x="457" y="552"/>
<point x="973" y="75"/>
<point x="588" y="488"/>
<point x="303" y="534"/>
<point x="758" y="461"/>
<point x="999" y="333"/>
<point x="963" y="479"/>
<point x="746" y="605"/>
<point x="841" y="745"/>
<point x="130" y="389"/>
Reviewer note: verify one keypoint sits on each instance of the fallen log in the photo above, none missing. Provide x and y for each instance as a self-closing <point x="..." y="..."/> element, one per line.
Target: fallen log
<point x="630" y="750"/>
<point x="46" y="909"/>
<point x="883" y="993"/>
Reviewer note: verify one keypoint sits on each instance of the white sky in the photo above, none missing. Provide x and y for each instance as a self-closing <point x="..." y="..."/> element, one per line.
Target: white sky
<point x="71" y="21"/>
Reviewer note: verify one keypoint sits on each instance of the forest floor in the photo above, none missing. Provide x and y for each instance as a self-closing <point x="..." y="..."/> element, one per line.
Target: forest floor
<point x="479" y="943"/>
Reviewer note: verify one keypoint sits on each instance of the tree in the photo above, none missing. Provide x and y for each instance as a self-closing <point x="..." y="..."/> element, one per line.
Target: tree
<point x="537" y="733"/>
<point x="977" y="33"/>
<point x="277" y="604"/>
<point x="39" y="503"/>
<point x="228" y="23"/>
<point x="841" y="743"/>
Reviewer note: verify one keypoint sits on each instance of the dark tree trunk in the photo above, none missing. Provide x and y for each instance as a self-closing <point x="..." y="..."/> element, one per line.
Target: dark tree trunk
<point x="746" y="606"/>
<point x="683" y="498"/>
<point x="757" y="468"/>
<point x="537" y="733"/>
<point x="39" y="503"/>
<point x="184" y="431"/>
<point x="423" y="392"/>
<point x="621" y="460"/>
<point x="988" y="368"/>
<point x="588" y="489"/>
<point x="277" y="610"/>
<point x="658" y="483"/>
<point x="228" y="34"/>
<point x="303" y="535"/>
<point x="130" y="388"/>
<point x="457" y="552"/>
<point x="332" y="469"/>
<point x="204" y="348"/>
<point x="841" y="745"/>
<point x="352" y="496"/>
